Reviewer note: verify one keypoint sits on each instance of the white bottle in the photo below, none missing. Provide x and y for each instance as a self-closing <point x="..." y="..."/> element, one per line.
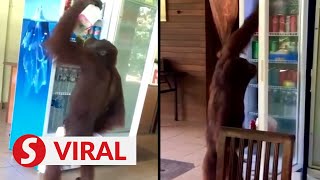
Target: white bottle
<point x="88" y="17"/>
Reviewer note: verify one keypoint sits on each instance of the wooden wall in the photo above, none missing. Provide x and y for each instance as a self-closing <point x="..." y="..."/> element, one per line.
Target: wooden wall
<point x="189" y="39"/>
<point x="183" y="42"/>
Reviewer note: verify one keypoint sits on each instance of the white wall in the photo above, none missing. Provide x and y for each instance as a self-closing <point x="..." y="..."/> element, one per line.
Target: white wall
<point x="11" y="14"/>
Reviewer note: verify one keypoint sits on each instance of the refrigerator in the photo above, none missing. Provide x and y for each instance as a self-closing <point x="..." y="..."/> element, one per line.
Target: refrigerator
<point x="314" y="134"/>
<point x="276" y="96"/>
<point x="43" y="88"/>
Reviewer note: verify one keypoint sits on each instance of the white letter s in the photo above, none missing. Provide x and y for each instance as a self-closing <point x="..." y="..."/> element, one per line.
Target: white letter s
<point x="26" y="148"/>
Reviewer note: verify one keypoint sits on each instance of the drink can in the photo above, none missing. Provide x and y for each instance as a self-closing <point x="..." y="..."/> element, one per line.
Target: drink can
<point x="282" y="23"/>
<point x="275" y="24"/>
<point x="96" y="32"/>
<point x="293" y="23"/>
<point x="255" y="49"/>
<point x="274" y="45"/>
<point x="288" y="23"/>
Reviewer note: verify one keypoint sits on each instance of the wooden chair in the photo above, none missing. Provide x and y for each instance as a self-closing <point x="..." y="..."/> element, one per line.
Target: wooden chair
<point x="232" y="142"/>
<point x="170" y="77"/>
<point x="166" y="73"/>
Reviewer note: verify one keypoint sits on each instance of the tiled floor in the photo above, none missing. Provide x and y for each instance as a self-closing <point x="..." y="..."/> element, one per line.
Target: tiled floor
<point x="184" y="141"/>
<point x="146" y="169"/>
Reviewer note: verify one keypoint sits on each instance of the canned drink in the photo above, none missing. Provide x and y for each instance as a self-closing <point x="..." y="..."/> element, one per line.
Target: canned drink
<point x="293" y="23"/>
<point x="275" y="24"/>
<point x="288" y="23"/>
<point x="96" y="32"/>
<point x="274" y="45"/>
<point x="255" y="49"/>
<point x="282" y="23"/>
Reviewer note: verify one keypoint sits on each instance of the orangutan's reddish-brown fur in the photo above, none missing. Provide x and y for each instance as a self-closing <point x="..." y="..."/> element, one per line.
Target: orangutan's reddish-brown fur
<point x="229" y="82"/>
<point x="97" y="101"/>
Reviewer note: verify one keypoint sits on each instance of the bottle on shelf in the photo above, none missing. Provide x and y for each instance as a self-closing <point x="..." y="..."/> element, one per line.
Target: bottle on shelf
<point x="255" y="48"/>
<point x="59" y="79"/>
<point x="278" y="106"/>
<point x="292" y="77"/>
<point x="283" y="77"/>
<point x="65" y="80"/>
<point x="293" y="105"/>
<point x="56" y="77"/>
<point x="274" y="76"/>
<point x="282" y="103"/>
<point x="274" y="44"/>
<point x="271" y="99"/>
<point x="278" y="7"/>
<point x="253" y="125"/>
<point x="286" y="104"/>
<point x="57" y="112"/>
<point x="72" y="80"/>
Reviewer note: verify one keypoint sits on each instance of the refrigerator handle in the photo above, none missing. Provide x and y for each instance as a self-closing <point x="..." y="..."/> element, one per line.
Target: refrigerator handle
<point x="311" y="76"/>
<point x="261" y="72"/>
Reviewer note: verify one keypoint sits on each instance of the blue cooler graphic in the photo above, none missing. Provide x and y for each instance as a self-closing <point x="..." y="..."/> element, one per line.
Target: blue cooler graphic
<point x="34" y="69"/>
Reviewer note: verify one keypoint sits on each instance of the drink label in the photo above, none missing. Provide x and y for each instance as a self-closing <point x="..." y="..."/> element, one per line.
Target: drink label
<point x="288" y="24"/>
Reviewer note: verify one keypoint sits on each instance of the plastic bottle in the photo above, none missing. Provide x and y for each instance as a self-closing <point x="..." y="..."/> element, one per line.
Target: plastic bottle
<point x="88" y="17"/>
<point x="54" y="113"/>
<point x="63" y="79"/>
<point x="271" y="100"/>
<point x="286" y="104"/>
<point x="281" y="105"/>
<point x="293" y="105"/>
<point x="253" y="125"/>
<point x="60" y="111"/>
<point x="97" y="29"/>
<point x="59" y="79"/>
<point x="74" y="78"/>
<point x="277" y="104"/>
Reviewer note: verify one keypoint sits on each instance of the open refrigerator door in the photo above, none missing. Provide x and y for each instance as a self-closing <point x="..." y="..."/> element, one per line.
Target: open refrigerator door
<point x="276" y="95"/>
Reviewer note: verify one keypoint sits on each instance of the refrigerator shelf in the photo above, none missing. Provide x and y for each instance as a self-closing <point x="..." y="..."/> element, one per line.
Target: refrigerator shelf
<point x="278" y="117"/>
<point x="276" y="87"/>
<point x="280" y="34"/>
<point x="276" y="61"/>
<point x="62" y="93"/>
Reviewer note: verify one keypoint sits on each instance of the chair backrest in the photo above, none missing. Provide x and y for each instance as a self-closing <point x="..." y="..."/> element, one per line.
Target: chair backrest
<point x="165" y="65"/>
<point x="231" y="147"/>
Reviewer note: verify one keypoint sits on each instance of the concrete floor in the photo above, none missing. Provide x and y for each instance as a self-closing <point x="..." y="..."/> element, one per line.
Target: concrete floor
<point x="146" y="168"/>
<point x="184" y="141"/>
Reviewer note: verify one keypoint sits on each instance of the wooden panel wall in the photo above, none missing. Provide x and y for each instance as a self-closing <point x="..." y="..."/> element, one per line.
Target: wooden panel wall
<point x="183" y="41"/>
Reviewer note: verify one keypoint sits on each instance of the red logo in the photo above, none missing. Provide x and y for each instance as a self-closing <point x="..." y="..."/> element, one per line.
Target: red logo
<point x="29" y="150"/>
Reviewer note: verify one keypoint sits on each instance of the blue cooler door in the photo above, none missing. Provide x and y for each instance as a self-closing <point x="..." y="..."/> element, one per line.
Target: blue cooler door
<point x="34" y="69"/>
